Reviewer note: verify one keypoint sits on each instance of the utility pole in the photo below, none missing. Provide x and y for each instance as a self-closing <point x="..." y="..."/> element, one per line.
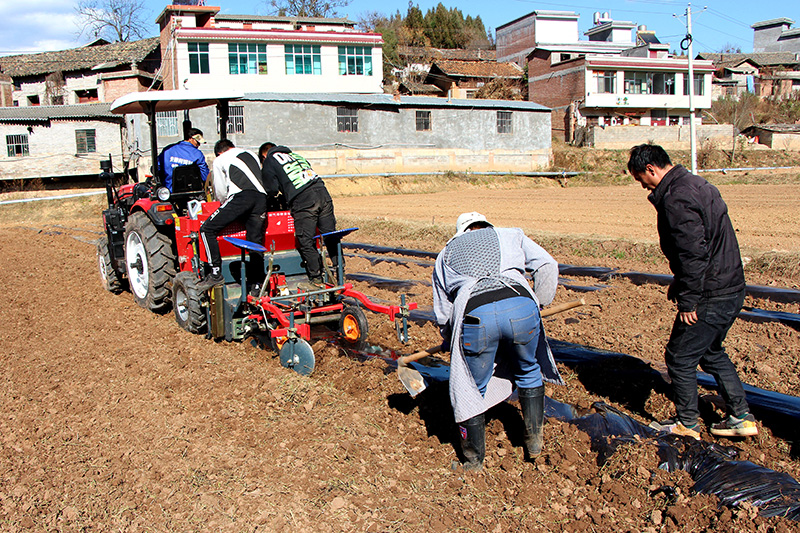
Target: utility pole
<point x="692" y="126"/>
<point x="686" y="44"/>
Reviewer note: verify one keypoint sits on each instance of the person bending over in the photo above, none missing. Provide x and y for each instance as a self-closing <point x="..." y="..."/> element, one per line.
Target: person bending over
<point x="309" y="202"/>
<point x="489" y="319"/>
<point x="237" y="185"/>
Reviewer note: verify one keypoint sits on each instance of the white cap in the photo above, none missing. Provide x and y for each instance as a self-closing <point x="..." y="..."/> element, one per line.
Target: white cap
<point x="465" y="220"/>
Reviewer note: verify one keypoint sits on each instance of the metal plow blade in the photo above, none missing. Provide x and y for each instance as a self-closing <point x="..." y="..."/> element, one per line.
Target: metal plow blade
<point x="411" y="379"/>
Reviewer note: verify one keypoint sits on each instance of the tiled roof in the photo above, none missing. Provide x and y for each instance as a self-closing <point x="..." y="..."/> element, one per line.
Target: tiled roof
<point x="420" y="88"/>
<point x="85" y="58"/>
<point x="35" y="114"/>
<point x="479" y="69"/>
<point x="777" y="128"/>
<point x="452" y="54"/>
<point x="761" y="58"/>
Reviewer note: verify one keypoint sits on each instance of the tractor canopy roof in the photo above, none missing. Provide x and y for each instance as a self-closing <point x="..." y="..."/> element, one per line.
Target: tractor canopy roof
<point x="154" y="101"/>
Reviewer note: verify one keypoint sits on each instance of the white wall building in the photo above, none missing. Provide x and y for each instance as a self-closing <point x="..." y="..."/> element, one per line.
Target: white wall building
<point x="205" y="50"/>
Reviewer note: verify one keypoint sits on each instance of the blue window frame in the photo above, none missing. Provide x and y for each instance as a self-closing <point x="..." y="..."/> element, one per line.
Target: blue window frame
<point x="355" y="60"/>
<point x="247" y="58"/>
<point x="303" y="59"/>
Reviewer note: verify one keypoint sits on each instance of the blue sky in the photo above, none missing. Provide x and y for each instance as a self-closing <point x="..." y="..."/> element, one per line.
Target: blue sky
<point x="39" y="25"/>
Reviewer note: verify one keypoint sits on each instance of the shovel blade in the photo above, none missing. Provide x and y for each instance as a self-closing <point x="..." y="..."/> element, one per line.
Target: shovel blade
<point x="411" y="379"/>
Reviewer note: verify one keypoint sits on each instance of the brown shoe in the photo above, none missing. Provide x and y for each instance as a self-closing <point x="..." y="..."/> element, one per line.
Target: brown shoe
<point x="672" y="426"/>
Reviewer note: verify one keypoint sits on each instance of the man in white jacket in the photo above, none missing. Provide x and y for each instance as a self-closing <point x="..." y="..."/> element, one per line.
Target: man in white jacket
<point x="489" y="319"/>
<point x="237" y="184"/>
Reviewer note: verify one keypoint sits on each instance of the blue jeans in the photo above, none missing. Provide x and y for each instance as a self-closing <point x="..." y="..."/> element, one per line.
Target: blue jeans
<point x="507" y="331"/>
<point x="701" y="344"/>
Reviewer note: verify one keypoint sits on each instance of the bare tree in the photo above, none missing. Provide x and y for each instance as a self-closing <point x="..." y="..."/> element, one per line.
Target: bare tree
<point x="116" y="20"/>
<point x="307" y="8"/>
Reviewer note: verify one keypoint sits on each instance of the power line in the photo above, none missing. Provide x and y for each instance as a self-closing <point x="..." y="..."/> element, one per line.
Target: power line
<point x="728" y="18"/>
<point x="738" y="38"/>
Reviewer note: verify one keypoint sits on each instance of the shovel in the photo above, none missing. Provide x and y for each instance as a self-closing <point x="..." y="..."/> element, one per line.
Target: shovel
<point x="413" y="380"/>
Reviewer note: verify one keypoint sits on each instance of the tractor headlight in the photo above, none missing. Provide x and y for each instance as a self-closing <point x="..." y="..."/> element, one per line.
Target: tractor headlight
<point x="163" y="194"/>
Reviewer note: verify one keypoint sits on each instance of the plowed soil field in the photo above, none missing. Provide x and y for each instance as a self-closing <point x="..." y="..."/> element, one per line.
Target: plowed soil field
<point x="112" y="418"/>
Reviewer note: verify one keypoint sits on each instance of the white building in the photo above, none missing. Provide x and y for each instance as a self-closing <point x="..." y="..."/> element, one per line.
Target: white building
<point x="202" y="49"/>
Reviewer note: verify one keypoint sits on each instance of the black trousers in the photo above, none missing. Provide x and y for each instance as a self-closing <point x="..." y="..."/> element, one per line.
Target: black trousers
<point x="701" y="343"/>
<point x="312" y="209"/>
<point x="249" y="207"/>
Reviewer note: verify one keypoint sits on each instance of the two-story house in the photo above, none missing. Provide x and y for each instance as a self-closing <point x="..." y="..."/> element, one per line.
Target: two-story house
<point x="617" y="76"/>
<point x="203" y="49"/>
<point x="97" y="72"/>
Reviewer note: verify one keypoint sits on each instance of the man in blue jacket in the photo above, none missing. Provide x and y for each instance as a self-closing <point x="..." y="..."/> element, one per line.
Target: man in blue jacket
<point x="699" y="241"/>
<point x="186" y="152"/>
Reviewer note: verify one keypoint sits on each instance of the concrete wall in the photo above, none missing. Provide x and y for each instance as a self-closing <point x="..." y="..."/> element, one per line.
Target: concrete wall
<point x="460" y="139"/>
<point x="670" y="137"/>
<point x="779" y="141"/>
<point x="52" y="150"/>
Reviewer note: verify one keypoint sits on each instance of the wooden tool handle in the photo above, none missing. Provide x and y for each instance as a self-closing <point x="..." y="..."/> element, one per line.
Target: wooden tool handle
<point x="560" y="308"/>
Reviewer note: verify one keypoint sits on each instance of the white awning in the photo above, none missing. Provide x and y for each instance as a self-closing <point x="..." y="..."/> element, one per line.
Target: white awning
<point x="145" y="102"/>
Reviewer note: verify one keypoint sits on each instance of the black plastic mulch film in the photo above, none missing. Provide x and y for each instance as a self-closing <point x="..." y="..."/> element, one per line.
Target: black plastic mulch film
<point x="713" y="467"/>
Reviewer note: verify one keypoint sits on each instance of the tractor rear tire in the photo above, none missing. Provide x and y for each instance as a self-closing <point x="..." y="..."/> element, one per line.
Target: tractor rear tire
<point x="109" y="277"/>
<point x="150" y="263"/>
<point x="353" y="325"/>
<point x="187" y="301"/>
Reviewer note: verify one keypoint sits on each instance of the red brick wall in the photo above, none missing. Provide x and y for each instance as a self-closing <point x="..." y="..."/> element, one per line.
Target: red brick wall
<point x="168" y="56"/>
<point x="516" y="38"/>
<point x="6" y="91"/>
<point x="563" y="85"/>
<point x="113" y="89"/>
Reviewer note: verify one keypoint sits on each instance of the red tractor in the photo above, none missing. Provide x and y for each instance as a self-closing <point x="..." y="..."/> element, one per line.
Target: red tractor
<point x="152" y="239"/>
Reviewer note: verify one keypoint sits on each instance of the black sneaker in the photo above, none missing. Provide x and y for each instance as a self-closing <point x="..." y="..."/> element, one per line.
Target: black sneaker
<point x="734" y="426"/>
<point x="210" y="281"/>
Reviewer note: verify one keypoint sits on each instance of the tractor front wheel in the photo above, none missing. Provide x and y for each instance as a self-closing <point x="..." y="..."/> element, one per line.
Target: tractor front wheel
<point x="187" y="301"/>
<point x="353" y="324"/>
<point x="150" y="263"/>
<point x="109" y="277"/>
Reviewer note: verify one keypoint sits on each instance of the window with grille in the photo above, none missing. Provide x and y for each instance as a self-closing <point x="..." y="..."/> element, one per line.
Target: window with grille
<point x="17" y="145"/>
<point x="504" y="124"/>
<point x="346" y="119"/>
<point x="606" y="82"/>
<point x="355" y="60"/>
<point x="198" y="58"/>
<point x="423" y="121"/>
<point x="85" y="141"/>
<point x="167" y="124"/>
<point x="247" y="58"/>
<point x="303" y="59"/>
<point x="235" y="119"/>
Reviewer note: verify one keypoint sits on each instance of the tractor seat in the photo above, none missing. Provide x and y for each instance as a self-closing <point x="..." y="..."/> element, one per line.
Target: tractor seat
<point x="186" y="183"/>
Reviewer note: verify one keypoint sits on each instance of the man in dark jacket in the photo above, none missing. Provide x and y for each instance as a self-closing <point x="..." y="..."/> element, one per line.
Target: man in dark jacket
<point x="699" y="241"/>
<point x="290" y="174"/>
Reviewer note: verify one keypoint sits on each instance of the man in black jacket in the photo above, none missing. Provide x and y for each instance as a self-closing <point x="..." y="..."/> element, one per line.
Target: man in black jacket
<point x="290" y="174"/>
<point x="699" y="241"/>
